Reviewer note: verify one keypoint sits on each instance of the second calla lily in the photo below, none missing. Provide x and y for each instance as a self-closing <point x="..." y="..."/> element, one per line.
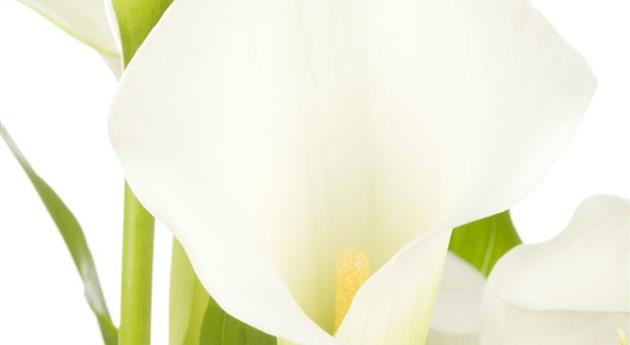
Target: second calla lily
<point x="571" y="290"/>
<point x="297" y="148"/>
<point x="89" y="21"/>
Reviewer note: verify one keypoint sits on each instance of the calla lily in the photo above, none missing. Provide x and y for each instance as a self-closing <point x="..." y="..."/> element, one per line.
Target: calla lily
<point x="312" y="156"/>
<point x="573" y="289"/>
<point x="457" y="312"/>
<point x="90" y="21"/>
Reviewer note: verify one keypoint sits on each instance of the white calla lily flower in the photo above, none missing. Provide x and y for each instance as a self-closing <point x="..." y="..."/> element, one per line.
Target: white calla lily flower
<point x="457" y="311"/>
<point x="304" y="151"/>
<point x="573" y="289"/>
<point x="89" y="21"/>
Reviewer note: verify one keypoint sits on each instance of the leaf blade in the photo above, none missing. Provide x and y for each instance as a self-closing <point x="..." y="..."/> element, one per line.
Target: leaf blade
<point x="75" y="241"/>
<point x="219" y="328"/>
<point x="483" y="242"/>
<point x="196" y="319"/>
<point x="188" y="300"/>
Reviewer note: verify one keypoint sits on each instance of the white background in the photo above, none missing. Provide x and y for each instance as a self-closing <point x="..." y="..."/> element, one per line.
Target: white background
<point x="54" y="96"/>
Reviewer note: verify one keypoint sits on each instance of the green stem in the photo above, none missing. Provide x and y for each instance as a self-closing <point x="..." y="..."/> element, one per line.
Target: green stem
<point x="137" y="271"/>
<point x="135" y="19"/>
<point x="188" y="300"/>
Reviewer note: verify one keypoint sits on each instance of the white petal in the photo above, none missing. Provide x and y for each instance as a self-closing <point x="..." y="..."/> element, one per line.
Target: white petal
<point x="573" y="289"/>
<point x="86" y="20"/>
<point x="272" y="136"/>
<point x="394" y="305"/>
<point x="115" y="64"/>
<point x="457" y="308"/>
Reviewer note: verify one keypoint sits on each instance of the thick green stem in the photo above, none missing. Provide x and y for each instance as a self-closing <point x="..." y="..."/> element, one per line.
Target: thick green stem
<point x="135" y="19"/>
<point x="137" y="271"/>
<point x="188" y="300"/>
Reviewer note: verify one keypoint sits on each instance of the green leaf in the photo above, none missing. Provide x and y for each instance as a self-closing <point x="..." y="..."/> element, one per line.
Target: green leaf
<point x="219" y="328"/>
<point x="196" y="319"/>
<point x="484" y="241"/>
<point x="74" y="238"/>
<point x="136" y="18"/>
<point x="188" y="300"/>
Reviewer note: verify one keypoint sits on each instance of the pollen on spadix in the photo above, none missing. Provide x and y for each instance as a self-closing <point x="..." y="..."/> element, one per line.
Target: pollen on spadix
<point x="353" y="269"/>
<point x="622" y="336"/>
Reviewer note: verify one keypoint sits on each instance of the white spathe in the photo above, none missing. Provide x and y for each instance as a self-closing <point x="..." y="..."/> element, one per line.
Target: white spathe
<point x="458" y="306"/>
<point x="272" y="135"/>
<point x="571" y="290"/>
<point x="574" y="289"/>
<point x="90" y="21"/>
